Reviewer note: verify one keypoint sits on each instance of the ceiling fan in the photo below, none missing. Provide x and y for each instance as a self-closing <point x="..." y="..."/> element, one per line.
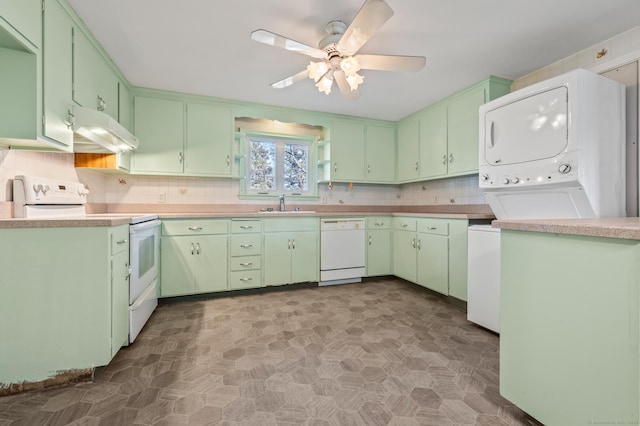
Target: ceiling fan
<point x="337" y="52"/>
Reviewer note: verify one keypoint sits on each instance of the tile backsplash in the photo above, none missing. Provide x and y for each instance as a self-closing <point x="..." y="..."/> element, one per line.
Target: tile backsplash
<point x="130" y="189"/>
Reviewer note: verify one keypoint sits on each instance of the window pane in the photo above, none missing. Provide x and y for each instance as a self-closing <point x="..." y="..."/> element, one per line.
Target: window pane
<point x="262" y="165"/>
<point x="296" y="167"/>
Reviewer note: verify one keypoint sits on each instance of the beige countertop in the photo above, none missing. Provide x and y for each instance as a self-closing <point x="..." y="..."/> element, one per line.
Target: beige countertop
<point x="623" y="227"/>
<point x="106" y="219"/>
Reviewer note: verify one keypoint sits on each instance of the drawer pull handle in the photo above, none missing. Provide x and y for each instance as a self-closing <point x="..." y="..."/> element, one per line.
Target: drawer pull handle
<point x="197" y="248"/>
<point x="246" y="245"/>
<point x="432" y="228"/>
<point x="246" y="264"/>
<point x="246" y="279"/>
<point x="293" y="244"/>
<point x="413" y="243"/>
<point x="120" y="242"/>
<point x="379" y="223"/>
<point x="404" y="225"/>
<point x="195" y="228"/>
<point x="193" y="249"/>
<point x="418" y="244"/>
<point x="246" y="227"/>
<point x="370" y="239"/>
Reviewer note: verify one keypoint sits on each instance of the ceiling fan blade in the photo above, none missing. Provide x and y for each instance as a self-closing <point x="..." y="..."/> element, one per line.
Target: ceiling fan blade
<point x="371" y="16"/>
<point x="272" y="39"/>
<point x="286" y="82"/>
<point x="343" y="85"/>
<point x="391" y="62"/>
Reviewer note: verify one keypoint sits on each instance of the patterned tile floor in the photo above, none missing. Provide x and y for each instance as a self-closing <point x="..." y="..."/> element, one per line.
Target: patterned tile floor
<point x="381" y="352"/>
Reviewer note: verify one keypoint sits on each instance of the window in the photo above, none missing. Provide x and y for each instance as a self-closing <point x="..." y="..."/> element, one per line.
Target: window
<point x="279" y="165"/>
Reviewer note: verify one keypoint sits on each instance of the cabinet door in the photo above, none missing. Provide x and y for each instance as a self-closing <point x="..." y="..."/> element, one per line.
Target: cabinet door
<point x="125" y="116"/>
<point x="24" y="16"/>
<point x="119" y="301"/>
<point x="304" y="257"/>
<point x="209" y="139"/>
<point x="108" y="90"/>
<point x="57" y="71"/>
<point x="381" y="154"/>
<point x="87" y="71"/>
<point x="277" y="258"/>
<point x="433" y="142"/>
<point x="347" y="151"/>
<point x="159" y="124"/>
<point x="408" y="166"/>
<point x="378" y="252"/>
<point x="210" y="263"/>
<point x="463" y="131"/>
<point x="433" y="262"/>
<point x="404" y="255"/>
<point x="176" y="266"/>
<point x="458" y="246"/>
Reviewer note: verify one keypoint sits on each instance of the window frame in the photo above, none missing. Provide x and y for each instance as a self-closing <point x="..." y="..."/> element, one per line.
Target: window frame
<point x="280" y="140"/>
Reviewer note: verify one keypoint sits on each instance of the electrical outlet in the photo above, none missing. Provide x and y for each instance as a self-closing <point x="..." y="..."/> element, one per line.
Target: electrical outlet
<point x="162" y="198"/>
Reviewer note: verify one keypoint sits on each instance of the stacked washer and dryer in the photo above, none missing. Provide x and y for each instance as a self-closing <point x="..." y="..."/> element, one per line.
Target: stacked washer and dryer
<point x="555" y="149"/>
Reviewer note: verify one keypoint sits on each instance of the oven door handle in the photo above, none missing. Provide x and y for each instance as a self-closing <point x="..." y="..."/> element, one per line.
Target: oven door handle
<point x="139" y="227"/>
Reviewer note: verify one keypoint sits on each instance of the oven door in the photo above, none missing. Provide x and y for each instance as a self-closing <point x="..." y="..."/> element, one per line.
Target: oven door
<point x="143" y="256"/>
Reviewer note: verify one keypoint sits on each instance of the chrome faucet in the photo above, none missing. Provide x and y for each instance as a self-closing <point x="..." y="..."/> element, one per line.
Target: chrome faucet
<point x="282" y="203"/>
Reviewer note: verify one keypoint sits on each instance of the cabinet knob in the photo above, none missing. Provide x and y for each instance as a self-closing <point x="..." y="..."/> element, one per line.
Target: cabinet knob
<point x="368" y="168"/>
<point x="416" y="166"/>
<point x="335" y="167"/>
<point x="180" y="157"/>
<point x="451" y="158"/>
<point x="444" y="159"/>
<point x="71" y="120"/>
<point x="228" y="161"/>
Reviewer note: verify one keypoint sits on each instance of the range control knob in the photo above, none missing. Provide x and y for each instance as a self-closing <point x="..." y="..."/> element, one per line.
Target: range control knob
<point x="564" y="168"/>
<point x="484" y="177"/>
<point x="515" y="180"/>
<point x="506" y="181"/>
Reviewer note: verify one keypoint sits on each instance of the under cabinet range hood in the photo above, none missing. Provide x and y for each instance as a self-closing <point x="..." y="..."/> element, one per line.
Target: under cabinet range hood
<point x="96" y="132"/>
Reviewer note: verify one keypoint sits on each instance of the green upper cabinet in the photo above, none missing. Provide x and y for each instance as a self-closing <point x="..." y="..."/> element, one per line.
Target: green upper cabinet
<point x="433" y="142"/>
<point x="381" y="154"/>
<point x="159" y="125"/>
<point x="347" y="151"/>
<point x="209" y="139"/>
<point x="57" y="72"/>
<point x="362" y="152"/>
<point x="444" y="136"/>
<point x="462" y="129"/>
<point x="408" y="148"/>
<point x="125" y="112"/>
<point x="179" y="137"/>
<point x="95" y="84"/>
<point x="24" y="17"/>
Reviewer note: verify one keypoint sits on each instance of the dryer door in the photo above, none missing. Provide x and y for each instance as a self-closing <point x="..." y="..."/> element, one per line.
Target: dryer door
<point x="528" y="129"/>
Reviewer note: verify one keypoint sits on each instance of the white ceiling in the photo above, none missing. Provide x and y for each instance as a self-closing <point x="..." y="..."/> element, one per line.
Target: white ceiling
<point x="203" y="46"/>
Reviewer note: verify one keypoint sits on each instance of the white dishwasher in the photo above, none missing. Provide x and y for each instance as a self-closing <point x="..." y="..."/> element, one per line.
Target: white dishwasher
<point x="342" y="250"/>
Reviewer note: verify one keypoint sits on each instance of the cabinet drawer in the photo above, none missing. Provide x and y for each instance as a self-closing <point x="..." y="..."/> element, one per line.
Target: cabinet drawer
<point x="245" y="245"/>
<point x="245" y="263"/>
<point x="119" y="239"/>
<point x="245" y="279"/>
<point x="194" y="227"/>
<point x="379" y="222"/>
<point x="430" y="226"/>
<point x="245" y="226"/>
<point x="405" y="223"/>
<point x="289" y="224"/>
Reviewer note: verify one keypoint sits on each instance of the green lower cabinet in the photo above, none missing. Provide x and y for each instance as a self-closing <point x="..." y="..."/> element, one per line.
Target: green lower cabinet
<point x="405" y="261"/>
<point x="433" y="262"/>
<point x="70" y="312"/>
<point x="119" y="301"/>
<point x="432" y="253"/>
<point x="291" y="248"/>
<point x="290" y="258"/>
<point x="193" y="264"/>
<point x="569" y="327"/>
<point x="379" y="244"/>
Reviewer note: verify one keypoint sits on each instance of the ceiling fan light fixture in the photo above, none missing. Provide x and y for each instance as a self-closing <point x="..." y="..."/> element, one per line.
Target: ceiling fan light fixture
<point x="349" y="65"/>
<point x="317" y="70"/>
<point x="354" y="80"/>
<point x="325" y="83"/>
